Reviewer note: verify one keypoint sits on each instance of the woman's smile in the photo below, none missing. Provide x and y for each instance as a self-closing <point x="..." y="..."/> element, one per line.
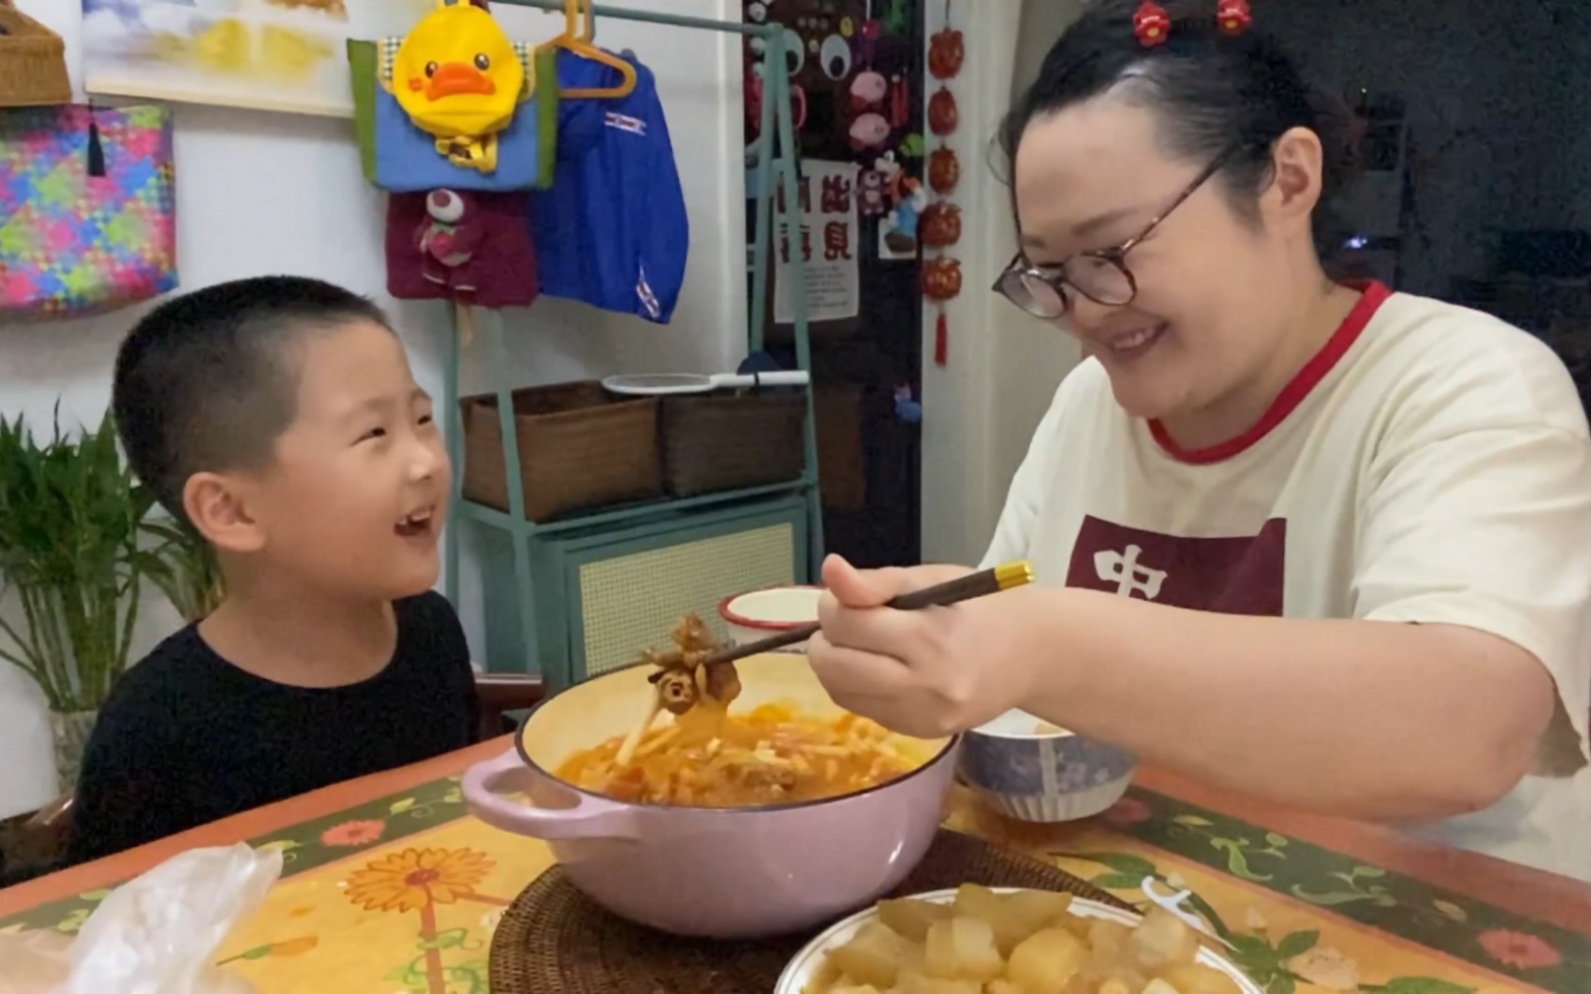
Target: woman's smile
<point x="1128" y="345"/>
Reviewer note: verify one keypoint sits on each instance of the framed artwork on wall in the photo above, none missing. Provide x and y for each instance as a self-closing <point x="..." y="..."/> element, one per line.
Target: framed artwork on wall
<point x="277" y="55"/>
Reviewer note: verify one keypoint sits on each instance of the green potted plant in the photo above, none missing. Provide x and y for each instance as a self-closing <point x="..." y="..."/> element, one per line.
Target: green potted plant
<point x="71" y="517"/>
<point x="184" y="567"/>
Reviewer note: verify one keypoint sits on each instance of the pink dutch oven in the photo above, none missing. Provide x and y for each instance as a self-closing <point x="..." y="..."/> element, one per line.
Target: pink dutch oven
<point x="726" y="874"/>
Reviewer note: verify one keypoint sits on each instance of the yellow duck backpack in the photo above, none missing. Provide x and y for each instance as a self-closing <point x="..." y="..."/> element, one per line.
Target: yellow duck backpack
<point x="460" y="78"/>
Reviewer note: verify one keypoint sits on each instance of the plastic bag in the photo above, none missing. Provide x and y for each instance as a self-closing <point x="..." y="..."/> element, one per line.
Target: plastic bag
<point x="158" y="934"/>
<point x="36" y="962"/>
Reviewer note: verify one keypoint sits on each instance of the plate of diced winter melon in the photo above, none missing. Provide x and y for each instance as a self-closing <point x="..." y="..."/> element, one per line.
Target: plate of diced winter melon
<point x="978" y="940"/>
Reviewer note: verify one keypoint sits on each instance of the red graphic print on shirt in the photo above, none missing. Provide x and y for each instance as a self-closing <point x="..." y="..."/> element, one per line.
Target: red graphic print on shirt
<point x="1229" y="575"/>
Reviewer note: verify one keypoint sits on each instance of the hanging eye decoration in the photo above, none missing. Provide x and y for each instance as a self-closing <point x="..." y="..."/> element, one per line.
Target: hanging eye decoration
<point x="795" y="52"/>
<point x="835" y="57"/>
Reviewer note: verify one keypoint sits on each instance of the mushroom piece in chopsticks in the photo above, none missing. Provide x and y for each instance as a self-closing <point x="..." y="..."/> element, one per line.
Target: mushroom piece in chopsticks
<point x="698" y="695"/>
<point x="684" y="679"/>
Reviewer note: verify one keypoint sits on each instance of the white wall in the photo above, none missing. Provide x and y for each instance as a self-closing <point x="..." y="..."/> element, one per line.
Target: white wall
<point x="981" y="409"/>
<point x="261" y="193"/>
<point x="1032" y="356"/>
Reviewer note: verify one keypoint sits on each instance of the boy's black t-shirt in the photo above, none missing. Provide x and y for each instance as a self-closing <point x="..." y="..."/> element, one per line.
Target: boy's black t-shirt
<point x="187" y="738"/>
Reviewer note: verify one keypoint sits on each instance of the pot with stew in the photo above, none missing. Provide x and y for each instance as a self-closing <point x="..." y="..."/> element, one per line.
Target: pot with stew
<point x="771" y="815"/>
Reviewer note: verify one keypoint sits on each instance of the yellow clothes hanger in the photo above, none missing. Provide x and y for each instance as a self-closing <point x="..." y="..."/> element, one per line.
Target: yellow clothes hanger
<point x="578" y="41"/>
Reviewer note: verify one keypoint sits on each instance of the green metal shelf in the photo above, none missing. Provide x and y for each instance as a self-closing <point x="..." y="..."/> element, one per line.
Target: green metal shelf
<point x="778" y="161"/>
<point x="485" y="515"/>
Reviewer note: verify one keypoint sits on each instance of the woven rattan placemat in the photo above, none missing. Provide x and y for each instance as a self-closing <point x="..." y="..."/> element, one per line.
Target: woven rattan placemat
<point x="552" y="940"/>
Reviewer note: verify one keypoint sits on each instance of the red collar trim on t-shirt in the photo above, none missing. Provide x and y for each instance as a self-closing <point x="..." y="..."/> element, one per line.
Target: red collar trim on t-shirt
<point x="1374" y="295"/>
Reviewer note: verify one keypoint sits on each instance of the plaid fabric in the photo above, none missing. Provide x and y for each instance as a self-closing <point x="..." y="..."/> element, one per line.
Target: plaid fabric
<point x="388" y="48"/>
<point x="75" y="243"/>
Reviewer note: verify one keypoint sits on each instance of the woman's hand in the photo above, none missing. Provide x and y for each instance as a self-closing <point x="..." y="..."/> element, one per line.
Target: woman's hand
<point x="924" y="673"/>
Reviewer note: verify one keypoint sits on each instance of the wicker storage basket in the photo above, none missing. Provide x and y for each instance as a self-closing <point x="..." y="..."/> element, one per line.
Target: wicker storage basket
<point x="578" y="448"/>
<point x="713" y="443"/>
<point x="32" y="62"/>
<point x="842" y="450"/>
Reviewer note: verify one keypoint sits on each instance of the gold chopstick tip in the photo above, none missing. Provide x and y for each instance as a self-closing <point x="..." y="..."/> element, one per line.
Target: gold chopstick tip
<point x="1013" y="574"/>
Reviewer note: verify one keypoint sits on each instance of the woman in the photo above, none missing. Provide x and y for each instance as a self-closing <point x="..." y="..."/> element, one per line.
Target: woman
<point x="1329" y="545"/>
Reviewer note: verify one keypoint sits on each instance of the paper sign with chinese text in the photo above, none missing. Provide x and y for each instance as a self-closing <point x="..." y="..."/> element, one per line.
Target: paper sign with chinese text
<point x="827" y="241"/>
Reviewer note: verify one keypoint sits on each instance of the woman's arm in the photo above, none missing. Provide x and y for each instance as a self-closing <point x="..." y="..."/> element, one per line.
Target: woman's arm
<point x="1379" y="720"/>
<point x="1376" y="720"/>
<point x="1465" y="657"/>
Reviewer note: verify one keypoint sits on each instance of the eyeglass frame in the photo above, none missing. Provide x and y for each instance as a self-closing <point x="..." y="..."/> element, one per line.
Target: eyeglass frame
<point x="1052" y="277"/>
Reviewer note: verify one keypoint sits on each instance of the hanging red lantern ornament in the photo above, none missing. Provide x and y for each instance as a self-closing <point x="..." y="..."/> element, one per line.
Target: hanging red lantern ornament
<point x="940" y="225"/>
<point x="943" y="117"/>
<point x="944" y="170"/>
<point x="941" y="284"/>
<point x="1235" y="17"/>
<point x="1151" y="24"/>
<point x="942" y="279"/>
<point x="947" y="51"/>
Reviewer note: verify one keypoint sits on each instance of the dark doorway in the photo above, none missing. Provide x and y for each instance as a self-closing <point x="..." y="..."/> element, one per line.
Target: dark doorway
<point x="859" y="105"/>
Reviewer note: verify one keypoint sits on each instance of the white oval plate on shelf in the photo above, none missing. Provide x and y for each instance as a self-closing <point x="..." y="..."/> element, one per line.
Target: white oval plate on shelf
<point x="804" y="968"/>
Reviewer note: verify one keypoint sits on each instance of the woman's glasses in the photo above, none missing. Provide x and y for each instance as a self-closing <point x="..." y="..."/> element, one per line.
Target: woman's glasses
<point x="1102" y="276"/>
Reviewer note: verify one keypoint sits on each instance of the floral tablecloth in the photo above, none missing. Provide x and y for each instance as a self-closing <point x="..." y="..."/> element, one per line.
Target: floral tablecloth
<point x="403" y="894"/>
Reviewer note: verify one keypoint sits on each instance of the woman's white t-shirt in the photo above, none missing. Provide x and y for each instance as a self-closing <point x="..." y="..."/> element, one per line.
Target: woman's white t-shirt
<point x="1432" y="464"/>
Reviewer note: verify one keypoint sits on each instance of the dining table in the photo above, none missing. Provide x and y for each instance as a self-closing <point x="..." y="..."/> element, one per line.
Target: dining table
<point x="390" y="885"/>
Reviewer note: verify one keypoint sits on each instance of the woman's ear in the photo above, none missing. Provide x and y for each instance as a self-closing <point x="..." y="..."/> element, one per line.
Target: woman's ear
<point x="1298" y="162"/>
<point x="218" y="506"/>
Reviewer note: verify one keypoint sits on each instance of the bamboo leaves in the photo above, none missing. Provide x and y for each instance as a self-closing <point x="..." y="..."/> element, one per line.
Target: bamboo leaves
<point x="184" y="567"/>
<point x="71" y="517"/>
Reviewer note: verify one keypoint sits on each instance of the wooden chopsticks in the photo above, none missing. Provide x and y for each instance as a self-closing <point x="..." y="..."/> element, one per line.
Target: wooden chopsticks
<point x="980" y="584"/>
<point x="966" y="588"/>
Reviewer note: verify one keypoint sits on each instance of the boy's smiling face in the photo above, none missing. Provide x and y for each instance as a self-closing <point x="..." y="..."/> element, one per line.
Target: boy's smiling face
<point x="356" y="498"/>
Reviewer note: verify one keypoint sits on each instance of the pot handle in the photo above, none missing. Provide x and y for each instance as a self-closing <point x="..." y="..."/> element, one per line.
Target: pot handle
<point x="589" y="817"/>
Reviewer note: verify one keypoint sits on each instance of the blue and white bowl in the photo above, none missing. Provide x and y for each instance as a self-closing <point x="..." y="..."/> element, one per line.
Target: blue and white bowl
<point x="1032" y="771"/>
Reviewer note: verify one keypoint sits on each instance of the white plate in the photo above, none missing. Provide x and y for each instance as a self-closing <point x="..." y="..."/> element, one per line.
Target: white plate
<point x="804" y="968"/>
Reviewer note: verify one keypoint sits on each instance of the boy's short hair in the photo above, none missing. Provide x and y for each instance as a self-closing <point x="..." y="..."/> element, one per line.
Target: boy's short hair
<point x="206" y="383"/>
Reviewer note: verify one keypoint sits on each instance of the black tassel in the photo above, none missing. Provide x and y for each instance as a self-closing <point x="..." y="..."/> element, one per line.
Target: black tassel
<point x="96" y="150"/>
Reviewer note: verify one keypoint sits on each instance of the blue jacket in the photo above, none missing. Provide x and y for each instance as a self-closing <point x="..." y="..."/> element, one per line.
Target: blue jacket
<point x="612" y="231"/>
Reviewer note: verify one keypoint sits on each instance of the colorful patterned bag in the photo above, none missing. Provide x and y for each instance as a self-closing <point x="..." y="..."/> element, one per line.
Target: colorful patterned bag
<point x="87" y="209"/>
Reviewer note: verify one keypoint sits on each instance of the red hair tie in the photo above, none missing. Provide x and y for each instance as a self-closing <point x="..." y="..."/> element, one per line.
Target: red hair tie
<point x="1235" y="17"/>
<point x="1151" y="24"/>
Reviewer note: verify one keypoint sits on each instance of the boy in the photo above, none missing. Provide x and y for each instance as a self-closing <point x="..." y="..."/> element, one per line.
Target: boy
<point x="279" y="418"/>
